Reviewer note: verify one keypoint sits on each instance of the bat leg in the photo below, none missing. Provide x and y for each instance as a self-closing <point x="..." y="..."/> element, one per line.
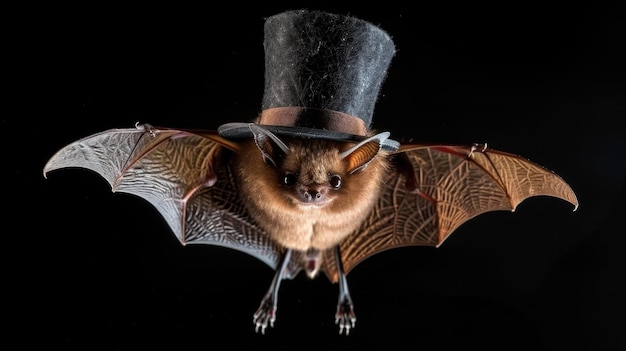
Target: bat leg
<point x="345" y="316"/>
<point x="266" y="313"/>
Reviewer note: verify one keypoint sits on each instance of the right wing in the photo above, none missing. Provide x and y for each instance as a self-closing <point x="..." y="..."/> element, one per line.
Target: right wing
<point x="184" y="175"/>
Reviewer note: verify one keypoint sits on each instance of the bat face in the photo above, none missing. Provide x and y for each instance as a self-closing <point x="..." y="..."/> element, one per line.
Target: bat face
<point x="310" y="176"/>
<point x="308" y="194"/>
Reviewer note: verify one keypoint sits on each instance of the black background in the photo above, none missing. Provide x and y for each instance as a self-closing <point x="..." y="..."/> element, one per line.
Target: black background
<point x="88" y="269"/>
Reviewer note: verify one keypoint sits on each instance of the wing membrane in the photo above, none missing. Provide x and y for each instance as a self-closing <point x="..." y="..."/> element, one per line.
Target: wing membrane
<point x="443" y="187"/>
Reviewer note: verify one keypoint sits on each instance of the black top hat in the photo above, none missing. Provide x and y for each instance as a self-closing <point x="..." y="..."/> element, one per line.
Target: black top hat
<point x="323" y="73"/>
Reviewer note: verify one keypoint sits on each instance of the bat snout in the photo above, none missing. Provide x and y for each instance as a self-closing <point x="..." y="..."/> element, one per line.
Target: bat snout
<point x="313" y="194"/>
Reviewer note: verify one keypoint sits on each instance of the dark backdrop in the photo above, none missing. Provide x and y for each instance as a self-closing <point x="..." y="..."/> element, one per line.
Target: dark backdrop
<point x="89" y="269"/>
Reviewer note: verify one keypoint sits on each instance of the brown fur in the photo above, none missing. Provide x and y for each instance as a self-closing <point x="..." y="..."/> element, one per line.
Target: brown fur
<point x="284" y="216"/>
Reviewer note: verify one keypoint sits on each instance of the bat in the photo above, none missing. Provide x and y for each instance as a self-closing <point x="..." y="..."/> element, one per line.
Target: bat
<point x="308" y="185"/>
<point x="303" y="204"/>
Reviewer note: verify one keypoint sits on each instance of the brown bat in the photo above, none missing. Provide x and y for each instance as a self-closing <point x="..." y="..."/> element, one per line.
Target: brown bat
<point x="314" y="198"/>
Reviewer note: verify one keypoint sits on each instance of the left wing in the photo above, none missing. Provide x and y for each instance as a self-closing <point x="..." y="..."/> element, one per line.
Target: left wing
<point x="433" y="189"/>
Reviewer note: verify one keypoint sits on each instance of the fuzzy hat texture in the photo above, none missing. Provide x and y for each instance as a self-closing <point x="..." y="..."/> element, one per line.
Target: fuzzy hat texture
<point x="323" y="73"/>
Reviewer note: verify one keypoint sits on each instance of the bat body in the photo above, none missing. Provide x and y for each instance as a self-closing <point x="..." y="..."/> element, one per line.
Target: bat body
<point x="312" y="205"/>
<point x="311" y="183"/>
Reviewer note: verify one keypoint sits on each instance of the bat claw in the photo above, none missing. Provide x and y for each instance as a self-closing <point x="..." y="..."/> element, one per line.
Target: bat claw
<point x="479" y="147"/>
<point x="262" y="325"/>
<point x="345" y="317"/>
<point x="264" y="316"/>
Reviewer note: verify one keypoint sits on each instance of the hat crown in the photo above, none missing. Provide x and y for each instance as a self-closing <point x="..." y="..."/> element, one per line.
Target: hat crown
<point x="325" y="61"/>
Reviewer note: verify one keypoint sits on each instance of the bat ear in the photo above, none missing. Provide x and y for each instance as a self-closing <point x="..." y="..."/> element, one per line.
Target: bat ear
<point x="268" y="143"/>
<point x="358" y="156"/>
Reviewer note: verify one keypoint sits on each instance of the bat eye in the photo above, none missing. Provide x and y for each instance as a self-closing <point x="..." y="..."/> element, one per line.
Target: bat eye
<point x="335" y="181"/>
<point x="289" y="179"/>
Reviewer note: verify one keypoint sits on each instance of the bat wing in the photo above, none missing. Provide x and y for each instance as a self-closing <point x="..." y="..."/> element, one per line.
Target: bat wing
<point x="183" y="174"/>
<point x="433" y="189"/>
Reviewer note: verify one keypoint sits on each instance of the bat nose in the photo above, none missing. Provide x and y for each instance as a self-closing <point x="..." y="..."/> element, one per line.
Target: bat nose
<point x="313" y="194"/>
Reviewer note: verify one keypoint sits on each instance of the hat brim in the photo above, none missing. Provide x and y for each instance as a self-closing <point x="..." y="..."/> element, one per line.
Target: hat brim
<point x="238" y="130"/>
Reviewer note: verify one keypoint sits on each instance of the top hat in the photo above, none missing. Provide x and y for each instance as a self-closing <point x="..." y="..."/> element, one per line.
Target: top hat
<point x="323" y="73"/>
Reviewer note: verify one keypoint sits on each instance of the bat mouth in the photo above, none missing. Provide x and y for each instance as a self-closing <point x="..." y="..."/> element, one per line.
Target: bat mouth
<point x="313" y="205"/>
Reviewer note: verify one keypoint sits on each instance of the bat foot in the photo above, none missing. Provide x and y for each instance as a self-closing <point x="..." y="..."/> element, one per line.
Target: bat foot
<point x="265" y="315"/>
<point x="345" y="317"/>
